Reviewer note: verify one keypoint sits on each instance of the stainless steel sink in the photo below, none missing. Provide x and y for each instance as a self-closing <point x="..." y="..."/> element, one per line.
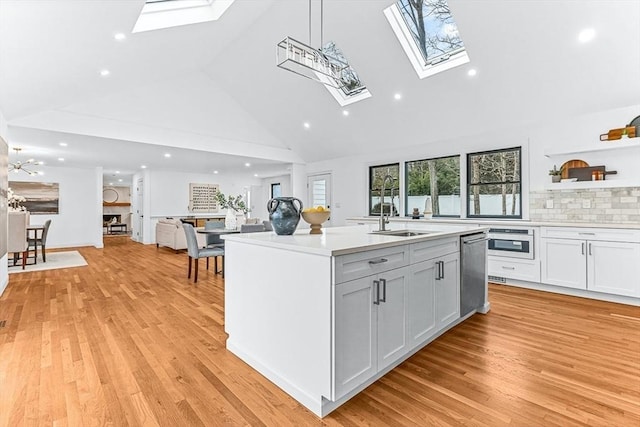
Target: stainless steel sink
<point x="402" y="233"/>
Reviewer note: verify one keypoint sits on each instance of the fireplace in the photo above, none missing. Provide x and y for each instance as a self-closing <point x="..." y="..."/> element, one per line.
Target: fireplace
<point x="108" y="218"/>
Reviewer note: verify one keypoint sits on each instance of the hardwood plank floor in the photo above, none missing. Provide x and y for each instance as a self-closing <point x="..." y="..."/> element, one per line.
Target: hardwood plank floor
<point x="129" y="340"/>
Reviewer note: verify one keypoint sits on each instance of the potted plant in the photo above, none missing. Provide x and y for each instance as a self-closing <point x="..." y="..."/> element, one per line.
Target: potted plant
<point x="555" y="174"/>
<point x="232" y="205"/>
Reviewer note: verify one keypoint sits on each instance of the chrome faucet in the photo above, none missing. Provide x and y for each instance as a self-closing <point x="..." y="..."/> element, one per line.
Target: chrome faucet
<point x="384" y="221"/>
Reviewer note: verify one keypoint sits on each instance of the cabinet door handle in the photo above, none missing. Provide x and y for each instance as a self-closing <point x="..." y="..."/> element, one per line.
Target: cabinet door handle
<point x="590" y="249"/>
<point x="582" y="248"/>
<point x="508" y="268"/>
<point x="384" y="290"/>
<point x="442" y="269"/>
<point x="587" y="234"/>
<point x="376" y="301"/>
<point x="378" y="261"/>
<point x="437" y="270"/>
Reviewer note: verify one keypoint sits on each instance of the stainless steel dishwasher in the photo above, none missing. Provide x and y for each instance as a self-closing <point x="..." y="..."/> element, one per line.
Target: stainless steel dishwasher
<point x="473" y="267"/>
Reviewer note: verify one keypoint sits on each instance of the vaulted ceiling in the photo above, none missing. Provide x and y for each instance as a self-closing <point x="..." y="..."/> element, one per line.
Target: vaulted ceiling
<point x="214" y="89"/>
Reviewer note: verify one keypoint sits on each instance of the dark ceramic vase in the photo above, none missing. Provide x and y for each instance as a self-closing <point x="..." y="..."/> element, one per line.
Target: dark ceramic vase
<point x="284" y="214"/>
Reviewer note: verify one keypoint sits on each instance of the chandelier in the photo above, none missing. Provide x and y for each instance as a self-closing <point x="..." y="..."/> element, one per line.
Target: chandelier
<point x="18" y="166"/>
<point x="326" y="65"/>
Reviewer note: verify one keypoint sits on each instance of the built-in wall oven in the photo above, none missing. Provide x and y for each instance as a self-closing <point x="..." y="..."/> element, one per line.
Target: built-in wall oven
<point x="511" y="242"/>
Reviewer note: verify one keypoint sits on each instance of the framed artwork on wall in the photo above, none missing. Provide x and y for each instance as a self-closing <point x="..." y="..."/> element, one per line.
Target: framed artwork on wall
<point x="42" y="197"/>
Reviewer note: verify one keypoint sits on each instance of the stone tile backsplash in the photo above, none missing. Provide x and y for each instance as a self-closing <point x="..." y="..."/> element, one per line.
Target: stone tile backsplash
<point x="605" y="205"/>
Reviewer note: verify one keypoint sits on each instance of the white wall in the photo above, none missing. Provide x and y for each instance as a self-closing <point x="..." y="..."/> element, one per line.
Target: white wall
<point x="350" y="174"/>
<point x="168" y="194"/>
<point x="79" y="222"/>
<point x="4" y="273"/>
<point x="260" y="195"/>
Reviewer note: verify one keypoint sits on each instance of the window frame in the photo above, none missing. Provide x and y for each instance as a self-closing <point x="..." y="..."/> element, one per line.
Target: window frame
<point x="370" y="189"/>
<point x="274" y="184"/>
<point x="469" y="184"/>
<point x="406" y="184"/>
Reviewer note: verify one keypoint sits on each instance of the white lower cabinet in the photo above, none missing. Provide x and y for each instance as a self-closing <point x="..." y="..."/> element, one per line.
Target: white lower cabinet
<point x="595" y="265"/>
<point x="564" y="263"/>
<point x="370" y="327"/>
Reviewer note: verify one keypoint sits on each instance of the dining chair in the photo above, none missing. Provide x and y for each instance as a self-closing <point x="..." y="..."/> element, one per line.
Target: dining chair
<point x="42" y="241"/>
<point x="251" y="228"/>
<point x="17" y="236"/>
<point x="214" y="240"/>
<point x="195" y="253"/>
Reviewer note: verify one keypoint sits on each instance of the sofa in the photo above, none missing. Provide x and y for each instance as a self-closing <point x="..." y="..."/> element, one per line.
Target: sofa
<point x="169" y="233"/>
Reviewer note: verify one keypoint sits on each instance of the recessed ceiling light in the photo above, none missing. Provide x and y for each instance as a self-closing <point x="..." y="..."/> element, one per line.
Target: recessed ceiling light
<point x="119" y="36"/>
<point x="306" y="125"/>
<point x="143" y="166"/>
<point x="120" y="180"/>
<point x="345" y="112"/>
<point x="247" y="164"/>
<point x="104" y="73"/>
<point x="61" y="159"/>
<point x="586" y="35"/>
<point x="111" y="183"/>
<point x="63" y="144"/>
<point x="397" y="96"/>
<point x="472" y="72"/>
<point x="215" y="171"/>
<point x="167" y="155"/>
<point x="117" y="171"/>
<point x="255" y="174"/>
<point x="40" y="173"/>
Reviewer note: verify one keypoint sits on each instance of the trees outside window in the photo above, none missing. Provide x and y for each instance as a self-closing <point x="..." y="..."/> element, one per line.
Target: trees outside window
<point x="376" y="176"/>
<point x="436" y="181"/>
<point x="494" y="184"/>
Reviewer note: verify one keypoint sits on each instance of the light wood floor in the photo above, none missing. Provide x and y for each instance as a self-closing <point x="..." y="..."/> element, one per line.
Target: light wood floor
<point x="129" y="340"/>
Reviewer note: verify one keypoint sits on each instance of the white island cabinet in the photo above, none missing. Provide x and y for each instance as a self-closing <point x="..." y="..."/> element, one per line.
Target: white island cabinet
<point x="323" y="316"/>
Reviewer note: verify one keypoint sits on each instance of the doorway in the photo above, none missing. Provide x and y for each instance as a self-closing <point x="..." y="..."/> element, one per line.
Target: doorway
<point x="319" y="191"/>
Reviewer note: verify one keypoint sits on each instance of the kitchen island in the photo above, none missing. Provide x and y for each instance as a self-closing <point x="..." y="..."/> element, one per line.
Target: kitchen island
<point x="323" y="316"/>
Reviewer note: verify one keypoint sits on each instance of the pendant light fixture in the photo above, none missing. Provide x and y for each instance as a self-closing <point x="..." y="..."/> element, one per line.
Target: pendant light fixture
<point x="326" y="65"/>
<point x="25" y="166"/>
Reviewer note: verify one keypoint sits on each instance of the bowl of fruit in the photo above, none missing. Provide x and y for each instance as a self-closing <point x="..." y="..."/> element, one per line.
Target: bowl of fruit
<point x="315" y="217"/>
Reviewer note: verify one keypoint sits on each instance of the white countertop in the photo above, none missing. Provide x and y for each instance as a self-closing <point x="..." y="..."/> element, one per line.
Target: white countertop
<point x="345" y="240"/>
<point x="503" y="222"/>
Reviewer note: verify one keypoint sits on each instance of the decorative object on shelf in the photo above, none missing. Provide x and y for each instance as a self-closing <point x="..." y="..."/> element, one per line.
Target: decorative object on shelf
<point x="588" y="173"/>
<point x="632" y="130"/>
<point x="284" y="214"/>
<point x="415" y="214"/>
<point x="18" y="166"/>
<point x="14" y="201"/>
<point x="571" y="164"/>
<point x="555" y="174"/>
<point x="316" y="217"/>
<point x="232" y="205"/>
<point x="428" y="210"/>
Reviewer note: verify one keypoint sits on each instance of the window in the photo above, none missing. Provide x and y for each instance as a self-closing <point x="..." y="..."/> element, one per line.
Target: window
<point x="377" y="176"/>
<point x="493" y="182"/>
<point x="433" y="185"/>
<point x="158" y="14"/>
<point x="428" y="34"/>
<point x="276" y="190"/>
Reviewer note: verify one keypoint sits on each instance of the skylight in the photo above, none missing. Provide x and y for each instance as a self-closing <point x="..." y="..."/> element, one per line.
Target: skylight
<point x="157" y="14"/>
<point x="428" y="34"/>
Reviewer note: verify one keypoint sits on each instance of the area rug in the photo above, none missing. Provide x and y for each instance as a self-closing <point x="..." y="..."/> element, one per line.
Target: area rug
<point x="54" y="260"/>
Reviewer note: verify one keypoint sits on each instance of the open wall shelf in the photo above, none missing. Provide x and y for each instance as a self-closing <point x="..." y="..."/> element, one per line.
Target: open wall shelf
<point x="604" y="146"/>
